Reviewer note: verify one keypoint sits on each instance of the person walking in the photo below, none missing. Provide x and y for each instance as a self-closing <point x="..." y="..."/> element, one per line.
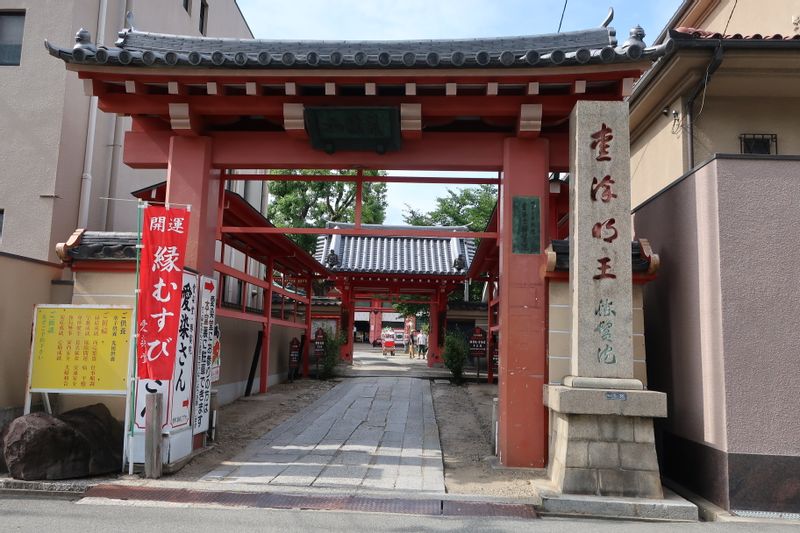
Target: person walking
<point x="412" y="353"/>
<point x="422" y="341"/>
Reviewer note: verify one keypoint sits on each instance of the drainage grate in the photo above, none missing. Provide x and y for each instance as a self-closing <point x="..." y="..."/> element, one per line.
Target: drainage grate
<point x="767" y="514"/>
<point x="453" y="508"/>
<point x="435" y="507"/>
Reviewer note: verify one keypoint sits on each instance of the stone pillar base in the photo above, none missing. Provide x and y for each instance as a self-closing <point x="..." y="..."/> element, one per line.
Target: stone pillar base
<point x="602" y="441"/>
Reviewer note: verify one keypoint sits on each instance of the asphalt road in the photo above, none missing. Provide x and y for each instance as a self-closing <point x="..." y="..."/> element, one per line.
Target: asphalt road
<point x="42" y="515"/>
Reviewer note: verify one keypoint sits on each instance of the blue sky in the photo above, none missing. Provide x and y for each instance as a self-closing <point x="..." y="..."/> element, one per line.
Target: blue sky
<point x="442" y="19"/>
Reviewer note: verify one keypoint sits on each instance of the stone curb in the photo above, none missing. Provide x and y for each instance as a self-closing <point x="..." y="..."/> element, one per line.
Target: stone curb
<point x="70" y="487"/>
<point x="673" y="508"/>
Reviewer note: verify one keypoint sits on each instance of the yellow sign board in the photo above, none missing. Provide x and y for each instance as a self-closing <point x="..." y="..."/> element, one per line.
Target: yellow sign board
<point x="82" y="349"/>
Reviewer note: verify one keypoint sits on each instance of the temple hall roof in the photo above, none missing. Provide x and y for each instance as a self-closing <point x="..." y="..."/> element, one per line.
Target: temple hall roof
<point x="147" y="49"/>
<point x="395" y="255"/>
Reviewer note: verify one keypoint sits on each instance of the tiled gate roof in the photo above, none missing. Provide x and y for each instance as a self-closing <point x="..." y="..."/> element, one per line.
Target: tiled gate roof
<point x="395" y="255"/>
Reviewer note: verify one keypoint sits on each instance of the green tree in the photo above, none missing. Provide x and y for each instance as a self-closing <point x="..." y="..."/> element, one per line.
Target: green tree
<point x="455" y="354"/>
<point x="307" y="204"/>
<point x="471" y="207"/>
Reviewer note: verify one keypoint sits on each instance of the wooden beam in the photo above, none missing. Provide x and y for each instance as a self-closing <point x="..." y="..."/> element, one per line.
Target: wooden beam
<point x="445" y="107"/>
<point x="362" y="232"/>
<point x="238" y="274"/>
<point x="249" y="150"/>
<point x="370" y="179"/>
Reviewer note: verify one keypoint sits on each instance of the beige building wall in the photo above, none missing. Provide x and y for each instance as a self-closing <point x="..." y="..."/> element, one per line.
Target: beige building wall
<point x="723" y="119"/>
<point x="658" y="153"/>
<point x="560" y="326"/>
<point x="16" y="321"/>
<point x="33" y="96"/>
<point x="752" y="16"/>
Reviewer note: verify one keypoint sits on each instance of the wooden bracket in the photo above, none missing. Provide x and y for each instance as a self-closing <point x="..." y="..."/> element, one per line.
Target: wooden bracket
<point x="530" y="120"/>
<point x="183" y="121"/>
<point x="294" y="121"/>
<point x="411" y="121"/>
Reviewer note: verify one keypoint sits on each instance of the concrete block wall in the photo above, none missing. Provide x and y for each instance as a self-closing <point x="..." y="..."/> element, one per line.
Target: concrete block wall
<point x="560" y="324"/>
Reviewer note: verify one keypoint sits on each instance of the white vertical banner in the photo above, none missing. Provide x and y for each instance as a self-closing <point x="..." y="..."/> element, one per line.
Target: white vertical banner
<point x="177" y="392"/>
<point x="205" y="345"/>
<point x="145" y="386"/>
<point x="182" y="378"/>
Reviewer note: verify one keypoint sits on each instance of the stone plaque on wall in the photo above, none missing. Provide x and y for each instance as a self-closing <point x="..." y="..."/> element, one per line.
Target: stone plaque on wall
<point x="600" y="240"/>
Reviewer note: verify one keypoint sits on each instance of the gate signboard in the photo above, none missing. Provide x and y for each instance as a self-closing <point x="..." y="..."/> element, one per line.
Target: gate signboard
<point x="319" y="344"/>
<point x="477" y="344"/>
<point x="205" y="348"/>
<point x="294" y="353"/>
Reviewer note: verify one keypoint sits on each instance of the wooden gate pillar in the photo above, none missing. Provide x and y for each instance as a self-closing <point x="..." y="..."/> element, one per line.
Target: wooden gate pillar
<point x="524" y="191"/>
<point x="191" y="180"/>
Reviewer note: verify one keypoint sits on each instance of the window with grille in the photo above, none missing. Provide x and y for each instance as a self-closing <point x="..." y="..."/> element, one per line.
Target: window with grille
<point x="11" y="28"/>
<point x="758" y="143"/>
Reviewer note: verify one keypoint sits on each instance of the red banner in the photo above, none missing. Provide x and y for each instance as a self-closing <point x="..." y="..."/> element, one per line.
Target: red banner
<point x="164" y="233"/>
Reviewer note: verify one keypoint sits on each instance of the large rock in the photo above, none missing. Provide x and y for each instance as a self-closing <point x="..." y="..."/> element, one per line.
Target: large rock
<point x="79" y="443"/>
<point x="3" y="431"/>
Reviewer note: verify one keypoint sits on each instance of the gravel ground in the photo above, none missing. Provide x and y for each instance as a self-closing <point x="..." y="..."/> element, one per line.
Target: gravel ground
<point x="464" y="415"/>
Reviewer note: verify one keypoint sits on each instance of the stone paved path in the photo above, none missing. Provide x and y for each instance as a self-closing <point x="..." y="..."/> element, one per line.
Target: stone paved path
<point x="364" y="434"/>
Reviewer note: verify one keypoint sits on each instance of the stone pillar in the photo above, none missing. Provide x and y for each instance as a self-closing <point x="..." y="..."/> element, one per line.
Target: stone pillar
<point x="524" y="192"/>
<point x="191" y="180"/>
<point x="602" y="436"/>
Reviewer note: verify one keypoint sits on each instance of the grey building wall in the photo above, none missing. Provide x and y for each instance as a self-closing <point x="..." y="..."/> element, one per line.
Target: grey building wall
<point x="721" y="330"/>
<point x="46" y="116"/>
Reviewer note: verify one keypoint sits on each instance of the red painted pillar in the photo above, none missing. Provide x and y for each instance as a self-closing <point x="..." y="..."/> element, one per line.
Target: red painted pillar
<point x="267" y="328"/>
<point x="523" y="307"/>
<point x="346" y="324"/>
<point x="375" y="319"/>
<point x="433" y="332"/>
<point x="191" y="180"/>
<point x="309" y="336"/>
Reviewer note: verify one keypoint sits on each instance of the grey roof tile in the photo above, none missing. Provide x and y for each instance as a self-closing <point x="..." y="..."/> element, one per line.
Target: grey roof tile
<point x="395" y="255"/>
<point x="146" y="49"/>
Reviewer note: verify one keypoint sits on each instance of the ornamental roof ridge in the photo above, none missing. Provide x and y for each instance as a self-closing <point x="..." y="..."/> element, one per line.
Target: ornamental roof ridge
<point x="148" y="49"/>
